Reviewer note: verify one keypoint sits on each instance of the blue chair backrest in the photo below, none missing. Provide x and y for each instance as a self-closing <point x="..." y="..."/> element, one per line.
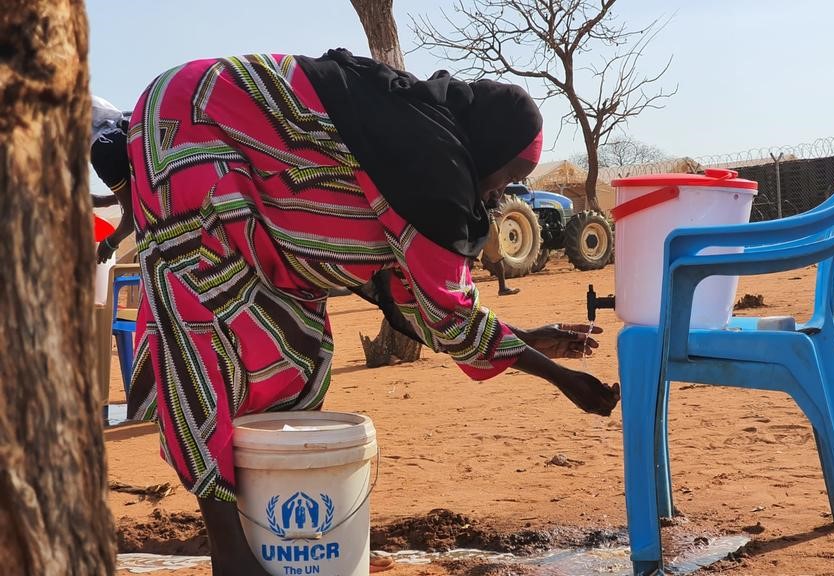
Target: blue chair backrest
<point x="797" y="241"/>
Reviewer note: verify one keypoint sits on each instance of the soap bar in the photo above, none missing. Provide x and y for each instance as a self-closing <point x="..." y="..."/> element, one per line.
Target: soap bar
<point x="783" y="323"/>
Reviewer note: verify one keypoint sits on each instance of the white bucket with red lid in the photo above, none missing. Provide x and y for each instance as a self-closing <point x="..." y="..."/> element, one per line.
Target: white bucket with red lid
<point x="647" y="209"/>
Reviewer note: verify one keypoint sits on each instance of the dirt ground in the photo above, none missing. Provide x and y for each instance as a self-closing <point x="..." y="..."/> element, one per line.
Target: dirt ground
<point x="468" y="460"/>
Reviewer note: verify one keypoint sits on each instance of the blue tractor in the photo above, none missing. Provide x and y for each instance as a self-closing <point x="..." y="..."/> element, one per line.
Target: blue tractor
<point x="533" y="223"/>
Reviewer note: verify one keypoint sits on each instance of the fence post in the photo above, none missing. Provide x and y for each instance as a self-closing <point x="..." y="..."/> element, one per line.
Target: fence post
<point x="778" y="184"/>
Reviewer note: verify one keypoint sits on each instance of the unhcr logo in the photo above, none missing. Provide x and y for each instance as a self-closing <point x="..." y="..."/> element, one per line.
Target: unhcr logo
<point x="314" y="553"/>
<point x="301" y="516"/>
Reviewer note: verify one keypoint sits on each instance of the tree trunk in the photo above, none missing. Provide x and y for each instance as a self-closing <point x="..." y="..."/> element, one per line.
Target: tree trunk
<point x="54" y="518"/>
<point x="592" y="148"/>
<point x="377" y="18"/>
<point x="590" y="139"/>
<point x="592" y="202"/>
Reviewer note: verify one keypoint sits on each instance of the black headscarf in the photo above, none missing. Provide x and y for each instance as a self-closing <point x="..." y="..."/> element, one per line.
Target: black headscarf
<point x="501" y="122"/>
<point x="426" y="143"/>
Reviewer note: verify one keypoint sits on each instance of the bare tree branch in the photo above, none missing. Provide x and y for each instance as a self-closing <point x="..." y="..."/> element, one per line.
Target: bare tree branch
<point x="575" y="48"/>
<point x="624" y="151"/>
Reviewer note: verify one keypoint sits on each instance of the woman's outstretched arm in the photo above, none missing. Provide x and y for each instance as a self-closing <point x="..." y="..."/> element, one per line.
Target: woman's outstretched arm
<point x="581" y="388"/>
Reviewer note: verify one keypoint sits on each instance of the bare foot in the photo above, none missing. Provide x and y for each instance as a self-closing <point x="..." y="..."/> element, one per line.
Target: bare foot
<point x="509" y="291"/>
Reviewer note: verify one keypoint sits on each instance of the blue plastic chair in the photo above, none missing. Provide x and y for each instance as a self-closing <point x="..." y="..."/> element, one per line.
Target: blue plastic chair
<point x="123" y="329"/>
<point x="799" y="362"/>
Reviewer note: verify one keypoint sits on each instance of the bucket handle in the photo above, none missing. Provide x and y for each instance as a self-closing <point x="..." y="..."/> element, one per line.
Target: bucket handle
<point x="300" y="535"/>
<point x="645" y="201"/>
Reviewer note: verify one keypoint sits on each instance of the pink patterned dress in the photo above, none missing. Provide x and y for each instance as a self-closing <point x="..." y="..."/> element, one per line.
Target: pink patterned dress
<point x="248" y="209"/>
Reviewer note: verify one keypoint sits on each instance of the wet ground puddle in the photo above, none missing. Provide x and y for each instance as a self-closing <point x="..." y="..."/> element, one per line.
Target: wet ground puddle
<point x="613" y="561"/>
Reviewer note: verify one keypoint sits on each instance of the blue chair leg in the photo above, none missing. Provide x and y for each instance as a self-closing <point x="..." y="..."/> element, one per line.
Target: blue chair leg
<point x="812" y="398"/>
<point x="825" y="449"/>
<point x="664" y="473"/>
<point x="124" y="346"/>
<point x="639" y="377"/>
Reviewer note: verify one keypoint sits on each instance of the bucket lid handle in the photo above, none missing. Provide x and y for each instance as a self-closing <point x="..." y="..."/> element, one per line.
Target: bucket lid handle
<point x="645" y="201"/>
<point x="720" y="173"/>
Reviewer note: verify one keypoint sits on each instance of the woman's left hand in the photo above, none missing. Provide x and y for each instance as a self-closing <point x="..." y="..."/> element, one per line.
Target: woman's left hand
<point x="104" y="252"/>
<point x="563" y="340"/>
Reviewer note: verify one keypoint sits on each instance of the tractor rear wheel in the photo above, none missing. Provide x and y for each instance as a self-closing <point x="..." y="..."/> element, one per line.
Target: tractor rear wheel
<point x="589" y="241"/>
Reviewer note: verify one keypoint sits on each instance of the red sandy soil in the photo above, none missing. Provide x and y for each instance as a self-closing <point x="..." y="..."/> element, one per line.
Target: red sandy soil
<point x="742" y="461"/>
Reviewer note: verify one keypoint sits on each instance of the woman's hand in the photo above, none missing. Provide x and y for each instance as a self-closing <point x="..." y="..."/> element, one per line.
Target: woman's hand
<point x="588" y="393"/>
<point x="562" y="340"/>
<point x="104" y="251"/>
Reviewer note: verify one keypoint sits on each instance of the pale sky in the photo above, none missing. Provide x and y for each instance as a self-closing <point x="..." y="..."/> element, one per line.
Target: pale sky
<point x="750" y="73"/>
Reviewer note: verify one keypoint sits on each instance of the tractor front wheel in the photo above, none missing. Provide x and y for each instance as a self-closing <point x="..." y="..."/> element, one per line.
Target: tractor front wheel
<point x="521" y="238"/>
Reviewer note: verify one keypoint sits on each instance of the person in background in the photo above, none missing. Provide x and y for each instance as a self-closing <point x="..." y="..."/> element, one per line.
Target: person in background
<point x="260" y="183"/>
<point x="108" y="155"/>
<point x="494" y="255"/>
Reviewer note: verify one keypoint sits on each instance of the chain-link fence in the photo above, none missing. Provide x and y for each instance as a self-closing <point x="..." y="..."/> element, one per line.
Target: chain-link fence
<point x="792" y="179"/>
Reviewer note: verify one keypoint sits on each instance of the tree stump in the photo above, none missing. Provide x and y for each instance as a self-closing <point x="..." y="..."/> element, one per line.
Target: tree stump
<point x="389" y="347"/>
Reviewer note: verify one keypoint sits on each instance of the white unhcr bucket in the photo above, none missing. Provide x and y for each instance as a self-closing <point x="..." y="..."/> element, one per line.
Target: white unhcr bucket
<point x="304" y="480"/>
<point x="648" y="209"/>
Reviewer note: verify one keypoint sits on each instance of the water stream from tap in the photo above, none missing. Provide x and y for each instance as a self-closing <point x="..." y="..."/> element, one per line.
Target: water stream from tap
<point x="585" y="352"/>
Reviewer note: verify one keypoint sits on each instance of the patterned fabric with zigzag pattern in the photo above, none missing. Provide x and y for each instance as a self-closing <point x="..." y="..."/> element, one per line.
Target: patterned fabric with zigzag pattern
<point x="248" y="209"/>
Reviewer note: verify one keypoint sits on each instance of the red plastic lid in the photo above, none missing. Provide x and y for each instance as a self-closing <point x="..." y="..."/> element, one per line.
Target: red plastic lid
<point x="711" y="177"/>
<point x="101" y="228"/>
